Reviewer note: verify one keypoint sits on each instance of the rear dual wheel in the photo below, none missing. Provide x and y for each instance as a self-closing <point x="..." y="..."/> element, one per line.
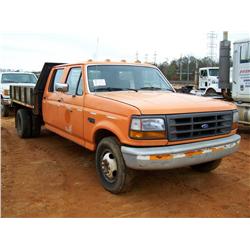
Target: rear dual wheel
<point x="27" y="125"/>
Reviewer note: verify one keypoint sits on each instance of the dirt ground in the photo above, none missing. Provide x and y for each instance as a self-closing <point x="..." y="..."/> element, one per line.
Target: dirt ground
<point x="52" y="177"/>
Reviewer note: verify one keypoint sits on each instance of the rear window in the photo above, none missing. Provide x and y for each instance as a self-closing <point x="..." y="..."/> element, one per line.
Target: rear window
<point x="18" y="78"/>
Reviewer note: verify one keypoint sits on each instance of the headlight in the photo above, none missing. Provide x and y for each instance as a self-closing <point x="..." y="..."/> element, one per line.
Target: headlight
<point x="235" y="119"/>
<point x="147" y="128"/>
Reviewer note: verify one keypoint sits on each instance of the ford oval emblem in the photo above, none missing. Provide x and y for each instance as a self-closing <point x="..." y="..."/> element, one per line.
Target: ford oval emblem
<point x="204" y="126"/>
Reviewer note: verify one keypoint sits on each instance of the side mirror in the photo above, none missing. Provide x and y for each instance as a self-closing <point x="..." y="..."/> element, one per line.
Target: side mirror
<point x="62" y="87"/>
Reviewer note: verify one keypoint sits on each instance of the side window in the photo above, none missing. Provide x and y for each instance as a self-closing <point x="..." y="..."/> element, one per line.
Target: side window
<point x="79" y="89"/>
<point x="73" y="80"/>
<point x="245" y="53"/>
<point x="56" y="79"/>
<point x="205" y="72"/>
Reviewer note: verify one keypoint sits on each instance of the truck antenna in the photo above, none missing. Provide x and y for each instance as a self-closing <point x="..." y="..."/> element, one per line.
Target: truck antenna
<point x="97" y="48"/>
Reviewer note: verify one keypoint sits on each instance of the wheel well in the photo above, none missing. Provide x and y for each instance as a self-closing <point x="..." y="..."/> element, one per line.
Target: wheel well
<point x="210" y="88"/>
<point x="102" y="133"/>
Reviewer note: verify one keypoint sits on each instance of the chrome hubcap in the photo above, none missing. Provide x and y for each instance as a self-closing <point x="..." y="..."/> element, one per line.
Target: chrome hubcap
<point x="109" y="166"/>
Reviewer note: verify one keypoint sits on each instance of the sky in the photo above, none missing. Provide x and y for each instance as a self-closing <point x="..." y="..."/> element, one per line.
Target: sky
<point x="34" y="32"/>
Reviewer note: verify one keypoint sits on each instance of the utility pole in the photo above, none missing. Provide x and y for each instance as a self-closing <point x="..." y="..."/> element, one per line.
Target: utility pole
<point x="136" y="56"/>
<point x="196" y="74"/>
<point x="188" y="69"/>
<point x="212" y="45"/>
<point x="181" y="68"/>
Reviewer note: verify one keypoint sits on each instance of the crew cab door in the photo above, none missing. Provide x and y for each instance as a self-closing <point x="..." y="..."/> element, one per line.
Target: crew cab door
<point x="203" y="79"/>
<point x="72" y="100"/>
<point x="52" y="100"/>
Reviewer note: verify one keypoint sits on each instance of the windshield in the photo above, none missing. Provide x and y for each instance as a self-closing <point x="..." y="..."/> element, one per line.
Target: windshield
<point x="214" y="72"/>
<point x="18" y="78"/>
<point x="125" y="77"/>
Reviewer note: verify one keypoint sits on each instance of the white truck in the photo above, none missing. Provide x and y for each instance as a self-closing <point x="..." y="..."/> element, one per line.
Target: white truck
<point x="239" y="90"/>
<point x="209" y="80"/>
<point x="12" y="78"/>
<point x="241" y="79"/>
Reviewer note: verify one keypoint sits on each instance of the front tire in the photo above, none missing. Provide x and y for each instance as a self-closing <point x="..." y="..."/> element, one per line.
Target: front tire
<point x="210" y="92"/>
<point x="111" y="169"/>
<point x="23" y="123"/>
<point x="206" y="167"/>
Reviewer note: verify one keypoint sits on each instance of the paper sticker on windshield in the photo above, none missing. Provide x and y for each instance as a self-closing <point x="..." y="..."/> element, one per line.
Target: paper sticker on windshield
<point x="99" y="82"/>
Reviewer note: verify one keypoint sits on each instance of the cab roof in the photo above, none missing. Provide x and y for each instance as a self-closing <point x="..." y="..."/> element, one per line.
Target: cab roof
<point x="107" y="62"/>
<point x="243" y="41"/>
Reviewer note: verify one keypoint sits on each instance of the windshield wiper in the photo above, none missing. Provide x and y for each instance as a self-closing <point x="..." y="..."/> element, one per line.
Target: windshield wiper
<point x="136" y="90"/>
<point x="114" y="89"/>
<point x="8" y="81"/>
<point x="154" y="88"/>
<point x="108" y="89"/>
<point x="150" y="88"/>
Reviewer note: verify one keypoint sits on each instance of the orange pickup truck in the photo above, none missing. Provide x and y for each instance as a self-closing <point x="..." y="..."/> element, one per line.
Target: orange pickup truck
<point x="130" y="115"/>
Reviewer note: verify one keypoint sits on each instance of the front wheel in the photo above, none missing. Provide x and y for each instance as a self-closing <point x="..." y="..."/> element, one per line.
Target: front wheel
<point x="111" y="169"/>
<point x="207" y="167"/>
<point x="211" y="92"/>
<point x="5" y="110"/>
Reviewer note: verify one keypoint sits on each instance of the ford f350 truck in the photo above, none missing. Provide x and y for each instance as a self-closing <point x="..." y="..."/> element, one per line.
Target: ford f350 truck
<point x="130" y="115"/>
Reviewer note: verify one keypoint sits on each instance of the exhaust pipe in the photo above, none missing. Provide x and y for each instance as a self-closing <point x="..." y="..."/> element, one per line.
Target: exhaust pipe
<point x="224" y="67"/>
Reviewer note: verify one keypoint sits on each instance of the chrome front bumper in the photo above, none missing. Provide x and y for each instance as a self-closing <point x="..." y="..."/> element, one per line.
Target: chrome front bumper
<point x="167" y="157"/>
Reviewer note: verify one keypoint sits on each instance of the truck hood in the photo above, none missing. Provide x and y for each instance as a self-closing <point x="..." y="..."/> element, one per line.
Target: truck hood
<point x="159" y="102"/>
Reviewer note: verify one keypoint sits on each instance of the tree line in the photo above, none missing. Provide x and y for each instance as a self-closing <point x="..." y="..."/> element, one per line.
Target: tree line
<point x="185" y="67"/>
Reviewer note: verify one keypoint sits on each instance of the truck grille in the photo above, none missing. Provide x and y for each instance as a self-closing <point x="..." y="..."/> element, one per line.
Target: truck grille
<point x="198" y="125"/>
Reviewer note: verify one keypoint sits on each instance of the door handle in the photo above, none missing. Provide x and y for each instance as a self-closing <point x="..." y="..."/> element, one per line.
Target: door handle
<point x="69" y="109"/>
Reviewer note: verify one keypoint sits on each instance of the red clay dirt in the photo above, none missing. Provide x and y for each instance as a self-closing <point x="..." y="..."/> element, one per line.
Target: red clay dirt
<point x="50" y="176"/>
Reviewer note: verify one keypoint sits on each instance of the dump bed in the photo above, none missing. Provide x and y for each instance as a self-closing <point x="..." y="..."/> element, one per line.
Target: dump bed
<point x="23" y="95"/>
<point x="31" y="95"/>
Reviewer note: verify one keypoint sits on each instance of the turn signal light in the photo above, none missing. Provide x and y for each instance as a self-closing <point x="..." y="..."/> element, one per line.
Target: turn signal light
<point x="147" y="134"/>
